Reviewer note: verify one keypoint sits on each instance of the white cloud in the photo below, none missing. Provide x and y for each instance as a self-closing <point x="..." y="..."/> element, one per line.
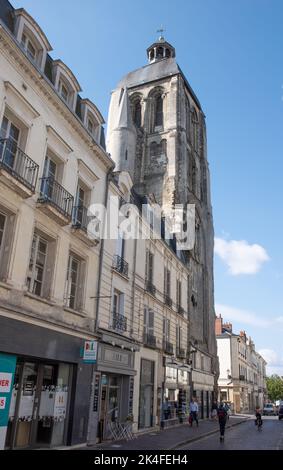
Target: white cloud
<point x="241" y="316"/>
<point x="240" y="257"/>
<point x="274" y="362"/>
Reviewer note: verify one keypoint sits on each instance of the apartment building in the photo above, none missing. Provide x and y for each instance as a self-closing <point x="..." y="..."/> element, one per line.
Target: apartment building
<point x="242" y="378"/>
<point x="53" y="165"/>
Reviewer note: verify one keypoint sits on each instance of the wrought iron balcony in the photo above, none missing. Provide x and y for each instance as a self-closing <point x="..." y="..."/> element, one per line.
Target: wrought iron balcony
<point x="167" y="300"/>
<point x="19" y="165"/>
<point x="180" y="310"/>
<point x="181" y="353"/>
<point x="119" y="322"/>
<point x="149" y="287"/>
<point x="120" y="265"/>
<point x="54" y="195"/>
<point x="149" y="340"/>
<point x="168" y="347"/>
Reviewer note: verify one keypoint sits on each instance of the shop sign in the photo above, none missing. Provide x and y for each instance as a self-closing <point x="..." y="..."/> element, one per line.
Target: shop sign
<point x="7" y="370"/>
<point x="90" y="352"/>
<point x="60" y="406"/>
<point x="96" y="393"/>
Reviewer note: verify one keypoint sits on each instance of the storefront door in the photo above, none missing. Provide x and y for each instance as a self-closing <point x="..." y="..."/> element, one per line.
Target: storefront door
<point x="110" y="402"/>
<point x="38" y="407"/>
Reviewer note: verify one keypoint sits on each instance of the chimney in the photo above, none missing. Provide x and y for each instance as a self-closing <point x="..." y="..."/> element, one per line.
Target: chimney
<point x="218" y="325"/>
<point x="227" y="327"/>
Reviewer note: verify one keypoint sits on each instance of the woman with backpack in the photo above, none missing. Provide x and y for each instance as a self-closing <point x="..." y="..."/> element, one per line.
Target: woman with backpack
<point x="222" y="418"/>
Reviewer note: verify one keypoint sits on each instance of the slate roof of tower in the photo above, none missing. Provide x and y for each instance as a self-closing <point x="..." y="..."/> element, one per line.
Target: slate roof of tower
<point x="155" y="71"/>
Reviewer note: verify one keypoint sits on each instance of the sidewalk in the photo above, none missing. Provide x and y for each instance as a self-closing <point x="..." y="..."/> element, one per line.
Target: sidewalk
<point x="170" y="438"/>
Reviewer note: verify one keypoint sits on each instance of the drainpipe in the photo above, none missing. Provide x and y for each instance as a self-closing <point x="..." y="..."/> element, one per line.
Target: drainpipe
<point x="91" y="433"/>
<point x="101" y="251"/>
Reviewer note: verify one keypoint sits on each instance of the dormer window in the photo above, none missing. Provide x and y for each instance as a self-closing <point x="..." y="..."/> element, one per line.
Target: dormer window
<point x="63" y="90"/>
<point x="29" y="47"/>
<point x="90" y="126"/>
<point x="31" y="37"/>
<point x="92" y="119"/>
<point x="65" y="83"/>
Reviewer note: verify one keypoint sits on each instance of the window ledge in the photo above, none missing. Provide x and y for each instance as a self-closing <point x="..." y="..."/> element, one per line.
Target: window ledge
<point x="123" y="276"/>
<point x="75" y="312"/>
<point x="5" y="285"/>
<point x="40" y="299"/>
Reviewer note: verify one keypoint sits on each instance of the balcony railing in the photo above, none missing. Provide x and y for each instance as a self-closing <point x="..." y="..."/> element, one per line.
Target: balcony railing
<point x="168" y="347"/>
<point x="18" y="164"/>
<point x="149" y="340"/>
<point x="119" y="322"/>
<point x="120" y="265"/>
<point x="149" y="287"/>
<point x="167" y="300"/>
<point x="181" y="353"/>
<point x="180" y="310"/>
<point x="51" y="192"/>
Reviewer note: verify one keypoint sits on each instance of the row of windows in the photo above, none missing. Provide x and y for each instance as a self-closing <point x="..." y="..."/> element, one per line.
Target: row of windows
<point x="36" y="47"/>
<point x="11" y="139"/>
<point x="40" y="268"/>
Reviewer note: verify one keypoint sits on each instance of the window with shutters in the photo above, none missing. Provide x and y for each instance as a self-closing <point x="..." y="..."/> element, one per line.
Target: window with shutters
<point x="149" y="266"/>
<point x="2" y="229"/>
<point x="166" y="330"/>
<point x="148" y="328"/>
<point x="167" y="287"/>
<point x="119" y="321"/>
<point x="7" y="225"/>
<point x="178" y="337"/>
<point x="179" y="294"/>
<point x="74" y="296"/>
<point x="37" y="265"/>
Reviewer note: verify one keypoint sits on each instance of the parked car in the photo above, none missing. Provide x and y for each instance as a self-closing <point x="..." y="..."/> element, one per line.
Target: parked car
<point x="268" y="410"/>
<point x="280" y="411"/>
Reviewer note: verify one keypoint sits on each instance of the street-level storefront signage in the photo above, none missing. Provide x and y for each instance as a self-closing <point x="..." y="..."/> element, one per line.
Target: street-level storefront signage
<point x="115" y="356"/>
<point x="7" y="370"/>
<point x="90" y="352"/>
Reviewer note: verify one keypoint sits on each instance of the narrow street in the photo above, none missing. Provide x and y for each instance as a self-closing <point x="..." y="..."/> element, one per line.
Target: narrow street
<point x="244" y="437"/>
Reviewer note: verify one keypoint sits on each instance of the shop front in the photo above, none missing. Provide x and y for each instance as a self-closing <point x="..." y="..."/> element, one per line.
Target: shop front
<point x="49" y="393"/>
<point x="176" y="392"/>
<point x="112" y="404"/>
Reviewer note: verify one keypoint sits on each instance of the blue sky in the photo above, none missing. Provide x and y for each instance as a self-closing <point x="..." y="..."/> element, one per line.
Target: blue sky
<point x="231" y="53"/>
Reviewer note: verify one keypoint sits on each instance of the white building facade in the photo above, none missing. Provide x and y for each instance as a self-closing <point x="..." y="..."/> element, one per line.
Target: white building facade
<point x="242" y="370"/>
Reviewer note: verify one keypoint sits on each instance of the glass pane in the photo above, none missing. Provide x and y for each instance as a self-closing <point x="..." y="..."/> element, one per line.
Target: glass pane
<point x="2" y="225"/>
<point x="26" y="405"/>
<point x="4" y="128"/>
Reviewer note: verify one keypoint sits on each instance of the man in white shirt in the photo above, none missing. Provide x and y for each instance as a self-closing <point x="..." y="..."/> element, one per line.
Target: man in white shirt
<point x="193" y="412"/>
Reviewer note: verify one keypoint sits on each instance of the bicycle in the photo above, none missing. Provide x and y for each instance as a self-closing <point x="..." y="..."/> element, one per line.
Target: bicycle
<point x="258" y="423"/>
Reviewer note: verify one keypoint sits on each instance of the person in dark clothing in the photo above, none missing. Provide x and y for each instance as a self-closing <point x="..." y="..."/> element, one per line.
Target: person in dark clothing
<point x="222" y="418"/>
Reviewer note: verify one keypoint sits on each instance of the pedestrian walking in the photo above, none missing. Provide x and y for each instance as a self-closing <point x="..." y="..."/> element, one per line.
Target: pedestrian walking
<point x="222" y="418"/>
<point x="193" y="412"/>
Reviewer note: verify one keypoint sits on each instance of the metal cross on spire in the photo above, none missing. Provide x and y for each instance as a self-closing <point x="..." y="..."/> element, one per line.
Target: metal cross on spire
<point x="161" y="30"/>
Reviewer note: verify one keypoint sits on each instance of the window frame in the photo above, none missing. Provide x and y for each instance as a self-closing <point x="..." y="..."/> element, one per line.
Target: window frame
<point x="33" y="262"/>
<point x="73" y="257"/>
